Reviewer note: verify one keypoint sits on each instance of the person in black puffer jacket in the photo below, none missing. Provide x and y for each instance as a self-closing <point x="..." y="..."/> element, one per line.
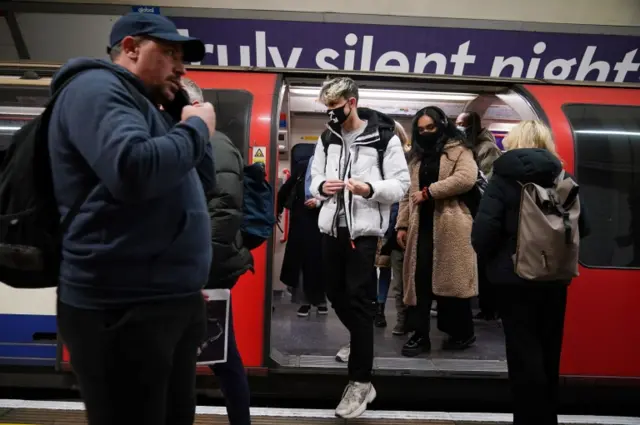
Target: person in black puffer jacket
<point x="532" y="312"/>
<point x="230" y="258"/>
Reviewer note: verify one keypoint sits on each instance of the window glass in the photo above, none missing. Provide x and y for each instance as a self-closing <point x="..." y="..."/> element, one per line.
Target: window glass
<point x="607" y="146"/>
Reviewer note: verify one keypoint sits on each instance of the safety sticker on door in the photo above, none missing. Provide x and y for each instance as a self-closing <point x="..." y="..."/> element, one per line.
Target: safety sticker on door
<point x="259" y="154"/>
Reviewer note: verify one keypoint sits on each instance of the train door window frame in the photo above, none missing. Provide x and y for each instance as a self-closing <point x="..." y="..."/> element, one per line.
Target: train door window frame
<point x="614" y="227"/>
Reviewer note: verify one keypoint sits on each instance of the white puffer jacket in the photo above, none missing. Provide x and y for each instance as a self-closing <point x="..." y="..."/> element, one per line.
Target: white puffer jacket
<point x="364" y="216"/>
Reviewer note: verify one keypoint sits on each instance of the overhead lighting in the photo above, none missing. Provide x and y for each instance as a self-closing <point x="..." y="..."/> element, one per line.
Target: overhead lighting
<point x="610" y="132"/>
<point x="392" y="94"/>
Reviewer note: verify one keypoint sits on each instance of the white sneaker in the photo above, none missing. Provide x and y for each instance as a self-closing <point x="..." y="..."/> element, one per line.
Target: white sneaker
<point x="343" y="354"/>
<point x="355" y="398"/>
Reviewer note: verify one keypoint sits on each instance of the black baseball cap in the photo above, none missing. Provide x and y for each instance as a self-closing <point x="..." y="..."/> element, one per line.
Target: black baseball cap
<point x="155" y="26"/>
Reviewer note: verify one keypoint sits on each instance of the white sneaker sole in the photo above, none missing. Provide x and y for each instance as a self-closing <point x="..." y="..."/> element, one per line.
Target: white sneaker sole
<point x="342" y="359"/>
<point x="362" y="408"/>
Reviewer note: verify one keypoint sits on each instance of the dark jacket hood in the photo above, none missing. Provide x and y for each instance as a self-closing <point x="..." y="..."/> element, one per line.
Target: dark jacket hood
<point x="528" y="165"/>
<point x="78" y="65"/>
<point x="375" y="120"/>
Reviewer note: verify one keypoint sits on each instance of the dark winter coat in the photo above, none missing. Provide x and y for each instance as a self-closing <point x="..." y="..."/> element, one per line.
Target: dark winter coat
<point x="302" y="252"/>
<point x="487" y="151"/>
<point x="494" y="232"/>
<point x="231" y="258"/>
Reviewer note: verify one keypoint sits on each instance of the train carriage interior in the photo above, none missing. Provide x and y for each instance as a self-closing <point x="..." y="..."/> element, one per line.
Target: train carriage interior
<point x="312" y="341"/>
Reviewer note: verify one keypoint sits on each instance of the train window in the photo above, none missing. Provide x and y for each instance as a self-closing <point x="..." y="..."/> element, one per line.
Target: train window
<point x="607" y="146"/>
<point x="233" y="115"/>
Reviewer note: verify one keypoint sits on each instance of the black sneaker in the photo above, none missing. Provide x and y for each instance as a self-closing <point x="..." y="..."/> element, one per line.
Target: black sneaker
<point x="416" y="345"/>
<point x="304" y="310"/>
<point x="323" y="309"/>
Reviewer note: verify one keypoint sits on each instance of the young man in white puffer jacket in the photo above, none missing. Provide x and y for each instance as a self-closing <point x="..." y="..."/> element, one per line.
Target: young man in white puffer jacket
<point x="359" y="170"/>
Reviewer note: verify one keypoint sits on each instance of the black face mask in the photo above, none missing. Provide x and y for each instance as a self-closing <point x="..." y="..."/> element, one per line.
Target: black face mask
<point x="337" y="115"/>
<point x="428" y="140"/>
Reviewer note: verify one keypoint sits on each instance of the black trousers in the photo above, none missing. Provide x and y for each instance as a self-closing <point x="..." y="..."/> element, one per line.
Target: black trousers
<point x="533" y="321"/>
<point x="233" y="381"/>
<point x="455" y="317"/>
<point x="352" y="290"/>
<point x="136" y="365"/>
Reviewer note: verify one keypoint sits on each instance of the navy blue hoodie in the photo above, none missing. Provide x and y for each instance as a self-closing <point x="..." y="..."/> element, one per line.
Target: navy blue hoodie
<point x="143" y="233"/>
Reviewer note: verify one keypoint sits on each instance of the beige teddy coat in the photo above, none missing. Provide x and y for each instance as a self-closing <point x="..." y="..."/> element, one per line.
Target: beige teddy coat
<point x="454" y="260"/>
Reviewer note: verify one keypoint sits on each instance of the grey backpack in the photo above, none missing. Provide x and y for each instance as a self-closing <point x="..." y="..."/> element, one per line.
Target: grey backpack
<point x="548" y="240"/>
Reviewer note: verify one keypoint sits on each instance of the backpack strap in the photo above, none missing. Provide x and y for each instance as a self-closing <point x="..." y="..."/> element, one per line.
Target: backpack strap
<point x="386" y="135"/>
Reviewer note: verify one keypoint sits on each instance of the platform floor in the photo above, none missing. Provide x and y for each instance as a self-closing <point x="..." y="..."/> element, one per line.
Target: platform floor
<point x="28" y="412"/>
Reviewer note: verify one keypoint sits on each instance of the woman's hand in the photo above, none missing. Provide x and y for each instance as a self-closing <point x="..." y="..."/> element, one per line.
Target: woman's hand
<point x="401" y="238"/>
<point x="418" y="197"/>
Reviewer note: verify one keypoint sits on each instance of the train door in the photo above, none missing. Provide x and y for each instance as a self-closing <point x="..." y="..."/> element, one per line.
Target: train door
<point x="246" y="110"/>
<point x="597" y="133"/>
<point x="311" y="340"/>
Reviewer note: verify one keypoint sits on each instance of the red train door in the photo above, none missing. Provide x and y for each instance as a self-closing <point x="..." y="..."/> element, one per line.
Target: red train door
<point x="246" y="106"/>
<point x="258" y="128"/>
<point x="597" y="132"/>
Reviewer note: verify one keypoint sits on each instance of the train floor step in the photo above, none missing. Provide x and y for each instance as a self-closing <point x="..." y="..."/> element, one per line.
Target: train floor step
<point x="29" y="412"/>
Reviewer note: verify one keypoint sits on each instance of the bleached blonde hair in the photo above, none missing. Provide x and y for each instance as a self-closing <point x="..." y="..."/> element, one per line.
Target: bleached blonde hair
<point x="402" y="135"/>
<point x="332" y="90"/>
<point x="530" y="134"/>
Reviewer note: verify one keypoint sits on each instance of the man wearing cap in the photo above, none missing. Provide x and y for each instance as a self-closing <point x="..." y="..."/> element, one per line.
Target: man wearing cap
<point x="138" y="250"/>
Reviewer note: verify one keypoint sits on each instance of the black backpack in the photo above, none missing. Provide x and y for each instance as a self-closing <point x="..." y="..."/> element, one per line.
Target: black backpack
<point x="258" y="207"/>
<point x="386" y="134"/>
<point x="30" y="228"/>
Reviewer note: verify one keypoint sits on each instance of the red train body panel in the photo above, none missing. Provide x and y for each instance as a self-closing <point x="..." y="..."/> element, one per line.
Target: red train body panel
<point x="602" y="325"/>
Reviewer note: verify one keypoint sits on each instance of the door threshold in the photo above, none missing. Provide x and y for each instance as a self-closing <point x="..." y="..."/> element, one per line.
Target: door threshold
<point x="417" y="366"/>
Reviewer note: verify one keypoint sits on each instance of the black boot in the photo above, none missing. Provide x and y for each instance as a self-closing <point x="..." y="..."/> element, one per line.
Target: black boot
<point x="380" y="321"/>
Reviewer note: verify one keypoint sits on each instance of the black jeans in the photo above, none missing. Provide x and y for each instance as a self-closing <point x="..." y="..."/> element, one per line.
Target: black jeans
<point x="233" y="381"/>
<point x="533" y="321"/>
<point x="352" y="290"/>
<point x="136" y="365"/>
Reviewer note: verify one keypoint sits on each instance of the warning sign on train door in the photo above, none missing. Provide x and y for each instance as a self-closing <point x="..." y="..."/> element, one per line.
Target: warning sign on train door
<point x="259" y="154"/>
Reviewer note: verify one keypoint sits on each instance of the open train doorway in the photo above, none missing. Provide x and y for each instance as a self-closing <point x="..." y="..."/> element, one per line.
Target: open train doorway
<point x="311" y="341"/>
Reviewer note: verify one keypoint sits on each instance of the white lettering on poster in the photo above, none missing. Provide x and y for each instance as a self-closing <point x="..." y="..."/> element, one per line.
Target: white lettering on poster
<point x="577" y="68"/>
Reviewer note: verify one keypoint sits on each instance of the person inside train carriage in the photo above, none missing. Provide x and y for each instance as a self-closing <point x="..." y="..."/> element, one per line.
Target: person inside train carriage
<point x="487" y="151"/>
<point x="434" y="228"/>
<point x="484" y="143"/>
<point x="137" y="254"/>
<point x="384" y="259"/>
<point x="231" y="259"/>
<point x="532" y="312"/>
<point x="301" y="266"/>
<point x="358" y="171"/>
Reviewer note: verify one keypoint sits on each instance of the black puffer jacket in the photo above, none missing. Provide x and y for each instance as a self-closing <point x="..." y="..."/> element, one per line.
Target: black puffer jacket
<point x="230" y="258"/>
<point x="495" y="227"/>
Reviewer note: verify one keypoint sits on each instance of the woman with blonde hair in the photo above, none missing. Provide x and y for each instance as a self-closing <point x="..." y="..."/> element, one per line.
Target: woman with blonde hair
<point x="387" y="259"/>
<point x="532" y="312"/>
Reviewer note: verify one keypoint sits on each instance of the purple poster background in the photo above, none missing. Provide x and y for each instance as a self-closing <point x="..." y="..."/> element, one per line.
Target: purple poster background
<point x="451" y="51"/>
